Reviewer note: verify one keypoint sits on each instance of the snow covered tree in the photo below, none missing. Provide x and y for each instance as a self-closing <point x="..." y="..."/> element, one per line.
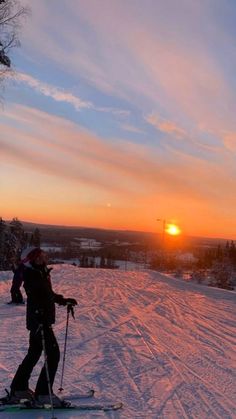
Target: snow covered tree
<point x="16" y="227"/>
<point x="198" y="276"/>
<point x="221" y="276"/>
<point x="15" y="242"/>
<point x="12" y="240"/>
<point x="35" y="239"/>
<point x="10" y="250"/>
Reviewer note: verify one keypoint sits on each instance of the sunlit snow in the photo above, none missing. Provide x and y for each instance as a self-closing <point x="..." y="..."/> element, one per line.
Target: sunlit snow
<point x="165" y="348"/>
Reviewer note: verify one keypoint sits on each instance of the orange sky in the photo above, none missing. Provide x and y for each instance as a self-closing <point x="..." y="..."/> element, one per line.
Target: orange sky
<point x="94" y="183"/>
<point x="132" y="122"/>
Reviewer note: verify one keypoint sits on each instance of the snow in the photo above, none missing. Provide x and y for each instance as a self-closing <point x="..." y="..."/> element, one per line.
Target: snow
<point x="89" y="243"/>
<point x="165" y="348"/>
<point x="47" y="248"/>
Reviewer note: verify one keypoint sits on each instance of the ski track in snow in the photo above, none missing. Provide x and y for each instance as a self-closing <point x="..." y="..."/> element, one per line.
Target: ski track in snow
<point x="165" y="348"/>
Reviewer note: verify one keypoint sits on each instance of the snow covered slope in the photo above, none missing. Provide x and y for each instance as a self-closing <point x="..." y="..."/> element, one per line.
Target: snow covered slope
<point x="165" y="348"/>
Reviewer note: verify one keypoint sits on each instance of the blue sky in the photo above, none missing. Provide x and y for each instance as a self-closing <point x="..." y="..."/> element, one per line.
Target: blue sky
<point x="119" y="113"/>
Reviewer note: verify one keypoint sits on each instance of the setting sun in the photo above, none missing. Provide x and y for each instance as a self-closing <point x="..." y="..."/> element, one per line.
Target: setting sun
<point x="173" y="230"/>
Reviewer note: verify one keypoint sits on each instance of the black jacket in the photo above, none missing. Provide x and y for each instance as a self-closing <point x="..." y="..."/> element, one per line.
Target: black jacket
<point x="17" y="280"/>
<point x="40" y="297"/>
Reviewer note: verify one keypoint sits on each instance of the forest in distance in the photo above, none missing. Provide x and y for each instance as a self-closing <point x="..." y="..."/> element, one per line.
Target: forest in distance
<point x="56" y="234"/>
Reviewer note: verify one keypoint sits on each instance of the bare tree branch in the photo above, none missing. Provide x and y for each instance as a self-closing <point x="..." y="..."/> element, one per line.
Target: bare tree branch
<point x="11" y="15"/>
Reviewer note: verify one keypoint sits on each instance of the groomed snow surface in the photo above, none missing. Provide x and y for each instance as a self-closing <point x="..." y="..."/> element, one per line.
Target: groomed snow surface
<point x="163" y="347"/>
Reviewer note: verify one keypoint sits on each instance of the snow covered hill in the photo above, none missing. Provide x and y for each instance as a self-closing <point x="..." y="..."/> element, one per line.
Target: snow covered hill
<point x="165" y="348"/>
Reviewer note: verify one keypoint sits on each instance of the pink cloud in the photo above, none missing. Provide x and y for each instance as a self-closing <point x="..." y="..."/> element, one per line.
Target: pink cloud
<point x="229" y="139"/>
<point x="54" y="92"/>
<point x="61" y="95"/>
<point x="166" y="126"/>
<point x="131" y="128"/>
<point x="162" y="63"/>
<point x="137" y="178"/>
<point x="144" y="62"/>
<point x="60" y="147"/>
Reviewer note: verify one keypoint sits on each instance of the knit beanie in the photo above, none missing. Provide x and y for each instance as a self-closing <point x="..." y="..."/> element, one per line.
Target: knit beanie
<point x="29" y="254"/>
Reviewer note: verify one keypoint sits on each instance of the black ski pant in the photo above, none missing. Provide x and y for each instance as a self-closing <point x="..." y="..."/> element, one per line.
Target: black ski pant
<point x="22" y="376"/>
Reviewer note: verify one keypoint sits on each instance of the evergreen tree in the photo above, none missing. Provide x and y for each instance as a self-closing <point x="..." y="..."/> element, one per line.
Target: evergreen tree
<point x="84" y="263"/>
<point x="16" y="228"/>
<point x="12" y="240"/>
<point x="110" y="262"/>
<point x="232" y="250"/>
<point x="11" y="250"/>
<point x="219" y="253"/>
<point x="102" y="262"/>
<point x="25" y="240"/>
<point x="156" y="262"/>
<point x="15" y="242"/>
<point x="3" y="233"/>
<point x="92" y="262"/>
<point x="81" y="262"/>
<point x="35" y="239"/>
<point x="227" y="248"/>
<point x="221" y="276"/>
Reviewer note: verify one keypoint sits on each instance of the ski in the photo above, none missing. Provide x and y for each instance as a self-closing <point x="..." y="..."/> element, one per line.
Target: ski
<point x="89" y="393"/>
<point x="4" y="401"/>
<point x="83" y="407"/>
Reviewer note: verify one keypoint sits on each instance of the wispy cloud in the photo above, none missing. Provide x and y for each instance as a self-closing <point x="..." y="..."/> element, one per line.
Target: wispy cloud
<point x="230" y="141"/>
<point x="168" y="127"/>
<point x="146" y="62"/>
<point x="54" y="92"/>
<point x="132" y="175"/>
<point x="61" y="95"/>
<point x="118" y="112"/>
<point x="132" y="128"/>
<point x="59" y="146"/>
<point x="173" y="61"/>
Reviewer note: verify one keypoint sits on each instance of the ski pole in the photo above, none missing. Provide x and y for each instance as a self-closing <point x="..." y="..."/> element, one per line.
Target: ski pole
<point x="69" y="310"/>
<point x="47" y="370"/>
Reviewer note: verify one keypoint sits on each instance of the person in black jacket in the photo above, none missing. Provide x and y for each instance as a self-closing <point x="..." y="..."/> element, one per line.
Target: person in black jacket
<point x="40" y="314"/>
<point x="18" y="278"/>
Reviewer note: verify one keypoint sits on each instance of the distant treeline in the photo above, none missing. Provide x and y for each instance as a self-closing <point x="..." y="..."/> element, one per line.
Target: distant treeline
<point x="13" y="239"/>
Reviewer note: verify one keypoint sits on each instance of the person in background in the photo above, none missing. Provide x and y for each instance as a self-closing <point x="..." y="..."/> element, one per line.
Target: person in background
<point x="18" y="278"/>
<point x="40" y="316"/>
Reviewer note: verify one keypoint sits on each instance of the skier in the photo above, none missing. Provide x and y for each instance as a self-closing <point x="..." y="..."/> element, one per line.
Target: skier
<point x="40" y="315"/>
<point x="18" y="278"/>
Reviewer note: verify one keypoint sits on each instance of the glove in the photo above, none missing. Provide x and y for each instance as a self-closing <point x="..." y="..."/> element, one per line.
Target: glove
<point x="70" y="301"/>
<point x="59" y="299"/>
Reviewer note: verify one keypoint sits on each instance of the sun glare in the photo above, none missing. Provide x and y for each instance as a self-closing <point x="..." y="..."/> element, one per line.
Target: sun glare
<point x="173" y="230"/>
